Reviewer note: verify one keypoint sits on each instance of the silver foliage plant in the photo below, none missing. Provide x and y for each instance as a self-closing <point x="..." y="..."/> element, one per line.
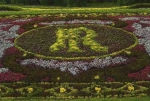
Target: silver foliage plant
<point x="76" y="66"/>
<point x="5" y="35"/>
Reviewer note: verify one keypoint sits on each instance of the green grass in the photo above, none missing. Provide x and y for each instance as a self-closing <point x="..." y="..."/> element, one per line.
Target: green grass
<point x="86" y="99"/>
<point x="40" y="10"/>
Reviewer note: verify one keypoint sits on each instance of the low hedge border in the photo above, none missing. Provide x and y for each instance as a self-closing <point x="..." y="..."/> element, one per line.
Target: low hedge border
<point x="75" y="90"/>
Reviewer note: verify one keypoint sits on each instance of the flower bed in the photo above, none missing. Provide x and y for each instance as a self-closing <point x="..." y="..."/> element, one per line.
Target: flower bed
<point x="76" y="90"/>
<point x="23" y="60"/>
<point x="75" y="42"/>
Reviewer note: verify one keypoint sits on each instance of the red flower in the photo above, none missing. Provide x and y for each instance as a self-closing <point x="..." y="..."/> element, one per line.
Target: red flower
<point x="109" y="79"/>
<point x="141" y="75"/>
<point x="1" y="66"/>
<point x="11" y="76"/>
<point x="11" y="50"/>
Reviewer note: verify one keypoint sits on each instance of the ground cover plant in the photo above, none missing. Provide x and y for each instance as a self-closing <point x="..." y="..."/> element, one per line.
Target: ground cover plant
<point x="84" y="50"/>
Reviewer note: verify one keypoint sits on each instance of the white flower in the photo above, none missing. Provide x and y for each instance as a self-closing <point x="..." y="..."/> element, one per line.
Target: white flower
<point x="3" y="70"/>
<point x="130" y="18"/>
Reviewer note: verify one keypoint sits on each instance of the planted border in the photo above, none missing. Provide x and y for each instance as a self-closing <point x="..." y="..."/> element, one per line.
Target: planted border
<point x="76" y="90"/>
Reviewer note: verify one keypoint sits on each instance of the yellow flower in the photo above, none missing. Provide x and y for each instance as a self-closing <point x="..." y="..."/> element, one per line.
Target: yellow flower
<point x="35" y="25"/>
<point x="58" y="78"/>
<point x="25" y="54"/>
<point x="96" y="77"/>
<point x="130" y="88"/>
<point x="97" y="89"/>
<point x="30" y="90"/>
<point x="78" y="15"/>
<point x="62" y="90"/>
<point x="85" y="15"/>
<point x="112" y="24"/>
<point x="145" y="13"/>
<point x="61" y="15"/>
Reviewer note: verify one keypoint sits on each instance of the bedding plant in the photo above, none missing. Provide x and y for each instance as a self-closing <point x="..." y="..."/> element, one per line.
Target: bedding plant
<point x="97" y="55"/>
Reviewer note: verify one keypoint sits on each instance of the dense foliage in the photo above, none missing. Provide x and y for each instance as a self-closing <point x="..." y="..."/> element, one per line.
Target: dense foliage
<point x="70" y="3"/>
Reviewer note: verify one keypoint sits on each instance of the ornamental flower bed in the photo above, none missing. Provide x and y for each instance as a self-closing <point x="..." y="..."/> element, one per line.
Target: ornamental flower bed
<point x="75" y="48"/>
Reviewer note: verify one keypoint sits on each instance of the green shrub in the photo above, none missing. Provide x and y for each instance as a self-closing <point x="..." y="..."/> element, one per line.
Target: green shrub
<point x="9" y="8"/>
<point x="140" y="5"/>
<point x="120" y="24"/>
<point x="120" y="72"/>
